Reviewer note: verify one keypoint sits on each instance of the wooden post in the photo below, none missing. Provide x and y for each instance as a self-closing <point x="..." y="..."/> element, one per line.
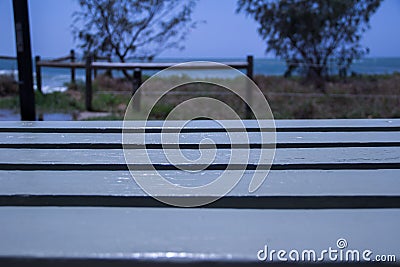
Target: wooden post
<point x="95" y="70"/>
<point x="38" y="74"/>
<point x="88" y="91"/>
<point x="24" y="57"/>
<point x="108" y="72"/>
<point x="137" y="82"/>
<point x="72" y="53"/>
<point x="250" y="67"/>
<point x="250" y="62"/>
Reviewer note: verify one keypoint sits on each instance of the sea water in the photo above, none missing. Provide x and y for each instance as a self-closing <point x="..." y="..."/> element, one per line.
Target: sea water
<point x="55" y="79"/>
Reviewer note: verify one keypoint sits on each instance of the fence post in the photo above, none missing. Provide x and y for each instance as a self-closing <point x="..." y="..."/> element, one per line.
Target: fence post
<point x="95" y="70"/>
<point x="249" y="70"/>
<point x="137" y="82"/>
<point x="38" y="75"/>
<point x="72" y="53"/>
<point x="24" y="58"/>
<point x="88" y="91"/>
<point x="108" y="72"/>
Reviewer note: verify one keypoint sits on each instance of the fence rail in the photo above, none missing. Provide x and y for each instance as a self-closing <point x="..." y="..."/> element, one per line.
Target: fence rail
<point x="63" y="65"/>
<point x="8" y="57"/>
<point x="160" y="66"/>
<point x="61" y="59"/>
<point x="55" y="63"/>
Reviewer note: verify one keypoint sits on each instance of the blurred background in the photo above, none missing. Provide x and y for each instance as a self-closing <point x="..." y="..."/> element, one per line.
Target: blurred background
<point x="312" y="59"/>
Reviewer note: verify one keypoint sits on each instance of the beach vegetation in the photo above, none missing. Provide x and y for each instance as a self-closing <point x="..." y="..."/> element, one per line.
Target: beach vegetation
<point x="8" y="85"/>
<point x="358" y="96"/>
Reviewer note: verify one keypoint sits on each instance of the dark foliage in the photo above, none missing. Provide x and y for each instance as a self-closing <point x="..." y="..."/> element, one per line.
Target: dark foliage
<point x="132" y="29"/>
<point x="313" y="35"/>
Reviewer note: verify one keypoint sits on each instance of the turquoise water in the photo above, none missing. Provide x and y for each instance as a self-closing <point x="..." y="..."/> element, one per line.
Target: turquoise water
<point x="53" y="79"/>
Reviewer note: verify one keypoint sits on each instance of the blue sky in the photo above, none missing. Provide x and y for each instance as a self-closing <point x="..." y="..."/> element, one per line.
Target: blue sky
<point x="225" y="33"/>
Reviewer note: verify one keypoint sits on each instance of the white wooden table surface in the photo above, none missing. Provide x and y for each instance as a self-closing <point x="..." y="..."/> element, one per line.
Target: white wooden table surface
<point x="68" y="199"/>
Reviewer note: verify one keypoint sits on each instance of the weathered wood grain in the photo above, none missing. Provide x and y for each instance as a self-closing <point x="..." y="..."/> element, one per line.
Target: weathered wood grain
<point x="368" y="155"/>
<point x="282" y="189"/>
<point x="191" y="140"/>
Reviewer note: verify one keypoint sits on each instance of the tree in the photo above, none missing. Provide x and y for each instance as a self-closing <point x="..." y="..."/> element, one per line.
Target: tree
<point x="132" y="29"/>
<point x="311" y="34"/>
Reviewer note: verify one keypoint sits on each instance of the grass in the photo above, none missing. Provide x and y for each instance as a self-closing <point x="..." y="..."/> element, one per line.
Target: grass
<point x="112" y="117"/>
<point x="9" y="102"/>
<point x="54" y="102"/>
<point x="360" y="96"/>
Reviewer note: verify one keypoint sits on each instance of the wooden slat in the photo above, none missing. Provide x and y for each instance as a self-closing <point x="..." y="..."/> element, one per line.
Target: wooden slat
<point x="313" y="156"/>
<point x="191" y="140"/>
<point x="185" y="236"/>
<point x="282" y="189"/>
<point x="354" y="125"/>
<point x="282" y="182"/>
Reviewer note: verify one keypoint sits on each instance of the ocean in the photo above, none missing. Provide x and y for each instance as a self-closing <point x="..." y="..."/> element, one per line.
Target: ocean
<point x="54" y="79"/>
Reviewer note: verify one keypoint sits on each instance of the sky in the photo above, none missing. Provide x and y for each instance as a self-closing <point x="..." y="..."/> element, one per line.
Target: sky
<point x="225" y="34"/>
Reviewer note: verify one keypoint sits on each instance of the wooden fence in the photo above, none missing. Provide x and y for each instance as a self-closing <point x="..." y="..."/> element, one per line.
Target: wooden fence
<point x="8" y="58"/>
<point x="91" y="66"/>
